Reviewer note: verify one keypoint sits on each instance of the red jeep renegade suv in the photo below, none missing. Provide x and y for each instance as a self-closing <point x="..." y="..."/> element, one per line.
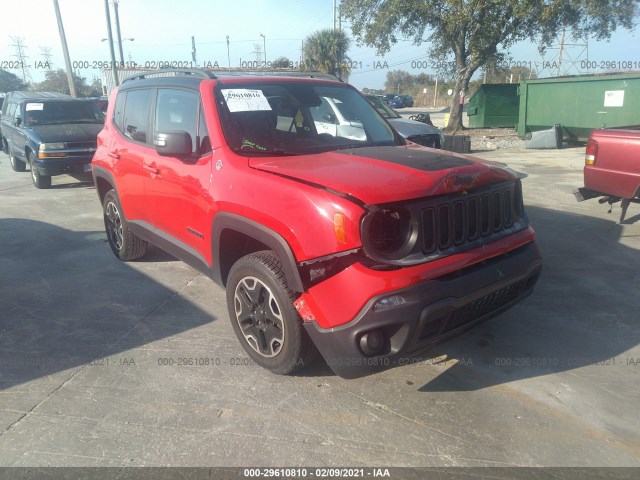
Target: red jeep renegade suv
<point x="342" y="238"/>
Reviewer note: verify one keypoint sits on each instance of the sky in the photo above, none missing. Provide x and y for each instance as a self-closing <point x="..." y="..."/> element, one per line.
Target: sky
<point x="162" y="31"/>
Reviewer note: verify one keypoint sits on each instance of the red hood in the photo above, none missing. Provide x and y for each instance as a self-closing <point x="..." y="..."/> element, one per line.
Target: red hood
<point x="377" y="175"/>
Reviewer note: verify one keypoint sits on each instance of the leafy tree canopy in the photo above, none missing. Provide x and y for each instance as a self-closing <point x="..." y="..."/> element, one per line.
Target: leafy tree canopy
<point x="326" y="51"/>
<point x="472" y="32"/>
<point x="56" y="81"/>
<point x="281" y="62"/>
<point x="10" y="82"/>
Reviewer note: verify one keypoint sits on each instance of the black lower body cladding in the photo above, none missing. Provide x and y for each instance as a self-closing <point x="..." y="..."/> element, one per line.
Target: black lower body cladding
<point x="432" y="312"/>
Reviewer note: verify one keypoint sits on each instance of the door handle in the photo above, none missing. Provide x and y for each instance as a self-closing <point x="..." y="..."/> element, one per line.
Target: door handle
<point x="114" y="155"/>
<point x="153" y="169"/>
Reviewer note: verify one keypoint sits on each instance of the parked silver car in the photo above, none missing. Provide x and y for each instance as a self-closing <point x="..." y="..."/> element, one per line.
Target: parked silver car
<point x="417" y="132"/>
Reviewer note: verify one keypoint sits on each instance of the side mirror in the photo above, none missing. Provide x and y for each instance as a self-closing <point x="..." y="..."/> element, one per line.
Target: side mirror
<point x="173" y="144"/>
<point x="18" y="121"/>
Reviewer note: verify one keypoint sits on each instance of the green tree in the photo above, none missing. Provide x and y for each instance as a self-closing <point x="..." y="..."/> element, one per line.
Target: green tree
<point x="326" y="51"/>
<point x="465" y="34"/>
<point x="56" y="81"/>
<point x="10" y="82"/>
<point x="398" y="81"/>
<point x="281" y="62"/>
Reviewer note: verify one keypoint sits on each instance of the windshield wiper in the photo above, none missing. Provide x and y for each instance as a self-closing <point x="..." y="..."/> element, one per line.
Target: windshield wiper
<point x="271" y="152"/>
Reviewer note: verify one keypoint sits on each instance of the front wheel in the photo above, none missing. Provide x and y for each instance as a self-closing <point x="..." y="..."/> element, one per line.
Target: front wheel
<point x="39" y="181"/>
<point x="264" y="319"/>
<point x="124" y="244"/>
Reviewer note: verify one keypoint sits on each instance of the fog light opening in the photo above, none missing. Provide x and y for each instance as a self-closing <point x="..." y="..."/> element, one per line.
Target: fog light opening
<point x="372" y="343"/>
<point x="389" y="302"/>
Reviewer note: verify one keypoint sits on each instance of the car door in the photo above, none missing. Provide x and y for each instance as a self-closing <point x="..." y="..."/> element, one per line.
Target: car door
<point x="18" y="136"/>
<point x="128" y="150"/>
<point x="179" y="187"/>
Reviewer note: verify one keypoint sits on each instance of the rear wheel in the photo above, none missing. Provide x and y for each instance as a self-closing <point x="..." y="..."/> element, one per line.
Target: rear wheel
<point x="39" y="181"/>
<point x="264" y="319"/>
<point x="16" y="165"/>
<point x="124" y="244"/>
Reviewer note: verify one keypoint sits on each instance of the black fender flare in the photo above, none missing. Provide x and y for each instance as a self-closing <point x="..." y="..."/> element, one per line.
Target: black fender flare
<point x="99" y="172"/>
<point x="271" y="239"/>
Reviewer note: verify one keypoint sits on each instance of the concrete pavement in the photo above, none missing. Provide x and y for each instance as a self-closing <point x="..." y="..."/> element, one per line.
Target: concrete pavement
<point x="110" y="364"/>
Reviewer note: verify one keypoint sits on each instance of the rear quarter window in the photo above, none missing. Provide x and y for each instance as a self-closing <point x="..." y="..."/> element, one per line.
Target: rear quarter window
<point x="136" y="115"/>
<point x="118" y="110"/>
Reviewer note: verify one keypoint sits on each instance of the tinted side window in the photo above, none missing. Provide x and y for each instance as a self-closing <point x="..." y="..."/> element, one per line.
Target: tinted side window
<point x="178" y="110"/>
<point x="11" y="109"/>
<point x="136" y="115"/>
<point x="118" y="110"/>
<point x="17" y="114"/>
<point x="203" y="135"/>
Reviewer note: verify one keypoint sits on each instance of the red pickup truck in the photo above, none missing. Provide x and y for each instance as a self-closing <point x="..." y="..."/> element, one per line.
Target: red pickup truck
<point x="612" y="167"/>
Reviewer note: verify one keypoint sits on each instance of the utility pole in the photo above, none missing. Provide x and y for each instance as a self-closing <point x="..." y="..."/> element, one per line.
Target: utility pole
<point x="228" y="54"/>
<point x="561" y="52"/>
<point x="46" y="54"/>
<point x="435" y="93"/>
<point x="334" y="14"/>
<point x="115" y="10"/>
<point x="193" y="50"/>
<point x="18" y="44"/>
<point x="257" y="52"/>
<point x="264" y="44"/>
<point x="114" y="70"/>
<point x="65" y="50"/>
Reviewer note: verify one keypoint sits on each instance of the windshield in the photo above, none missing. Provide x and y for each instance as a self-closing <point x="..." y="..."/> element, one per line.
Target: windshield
<point x="383" y="109"/>
<point x="295" y="118"/>
<point x="51" y="113"/>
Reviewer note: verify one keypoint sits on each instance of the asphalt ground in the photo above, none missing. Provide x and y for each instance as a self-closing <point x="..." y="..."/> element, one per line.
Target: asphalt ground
<point x="104" y="363"/>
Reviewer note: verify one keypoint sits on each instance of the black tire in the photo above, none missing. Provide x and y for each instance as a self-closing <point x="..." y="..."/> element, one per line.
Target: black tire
<point x="124" y="244"/>
<point x="39" y="181"/>
<point x="16" y="165"/>
<point x="263" y="317"/>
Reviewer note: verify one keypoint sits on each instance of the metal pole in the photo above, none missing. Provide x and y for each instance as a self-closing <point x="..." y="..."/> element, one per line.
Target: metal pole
<point x="228" y="55"/>
<point x="114" y="70"/>
<point x="65" y="50"/>
<point x="334" y="14"/>
<point x="115" y="9"/>
<point x="435" y="93"/>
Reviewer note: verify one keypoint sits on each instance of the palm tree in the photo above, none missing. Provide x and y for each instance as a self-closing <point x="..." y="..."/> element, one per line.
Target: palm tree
<point x="326" y="51"/>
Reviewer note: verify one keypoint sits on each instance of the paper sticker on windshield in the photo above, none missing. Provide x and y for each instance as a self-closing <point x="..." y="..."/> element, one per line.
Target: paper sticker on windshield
<point x="34" y="106"/>
<point x="245" y="100"/>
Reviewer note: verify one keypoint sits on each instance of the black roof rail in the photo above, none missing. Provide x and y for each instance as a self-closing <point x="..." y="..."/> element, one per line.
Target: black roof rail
<point x="166" y="72"/>
<point x="205" y="73"/>
<point x="281" y="73"/>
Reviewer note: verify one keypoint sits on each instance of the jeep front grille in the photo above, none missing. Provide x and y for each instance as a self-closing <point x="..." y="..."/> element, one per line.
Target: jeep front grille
<point x="454" y="223"/>
<point x="436" y="227"/>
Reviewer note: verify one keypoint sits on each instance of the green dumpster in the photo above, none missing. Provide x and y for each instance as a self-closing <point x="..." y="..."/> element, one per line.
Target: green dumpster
<point x="579" y="104"/>
<point x="494" y="105"/>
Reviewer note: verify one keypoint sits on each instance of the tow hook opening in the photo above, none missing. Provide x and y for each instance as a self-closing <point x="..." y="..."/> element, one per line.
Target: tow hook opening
<point x="373" y="342"/>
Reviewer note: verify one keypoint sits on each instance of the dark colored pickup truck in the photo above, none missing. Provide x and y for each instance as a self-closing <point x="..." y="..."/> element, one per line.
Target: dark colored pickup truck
<point x="612" y="167"/>
<point x="53" y="134"/>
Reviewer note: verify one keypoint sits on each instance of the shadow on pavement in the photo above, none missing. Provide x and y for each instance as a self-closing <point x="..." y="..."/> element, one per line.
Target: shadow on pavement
<point x="65" y="301"/>
<point x="584" y="311"/>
